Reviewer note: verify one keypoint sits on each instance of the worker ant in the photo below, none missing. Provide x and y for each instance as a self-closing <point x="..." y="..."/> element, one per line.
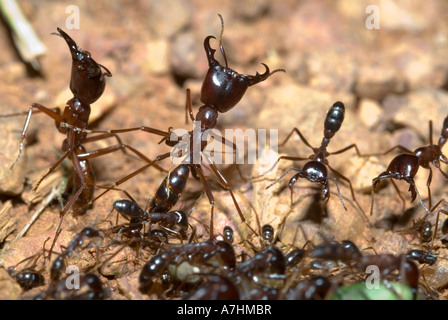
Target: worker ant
<point x="315" y="170"/>
<point x="186" y="260"/>
<point x="405" y="166"/>
<point x="158" y="210"/>
<point x="59" y="264"/>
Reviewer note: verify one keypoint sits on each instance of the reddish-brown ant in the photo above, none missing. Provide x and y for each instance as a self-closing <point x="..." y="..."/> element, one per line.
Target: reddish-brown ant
<point x="315" y="170"/>
<point x="405" y="165"/>
<point x="87" y="83"/>
<point x="222" y="89"/>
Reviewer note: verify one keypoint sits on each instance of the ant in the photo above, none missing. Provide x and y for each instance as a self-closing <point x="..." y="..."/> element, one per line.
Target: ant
<point x="422" y="256"/>
<point x="315" y="170"/>
<point x="221" y="90"/>
<point x="165" y="198"/>
<point x="87" y="83"/>
<point x="265" y="268"/>
<point x="405" y="165"/>
<point x="211" y="253"/>
<point x="345" y="251"/>
<point x="90" y="288"/>
<point x="58" y="265"/>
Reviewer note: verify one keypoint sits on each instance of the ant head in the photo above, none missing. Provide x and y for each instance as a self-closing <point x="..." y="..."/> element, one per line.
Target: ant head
<point x="87" y="80"/>
<point x="223" y="87"/>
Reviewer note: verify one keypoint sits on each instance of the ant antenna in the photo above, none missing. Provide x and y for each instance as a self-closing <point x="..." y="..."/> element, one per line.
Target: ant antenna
<point x="220" y="40"/>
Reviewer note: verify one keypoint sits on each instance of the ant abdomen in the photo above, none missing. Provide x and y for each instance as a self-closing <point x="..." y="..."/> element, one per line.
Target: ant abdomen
<point x="334" y="119"/>
<point x="170" y="189"/>
<point x="128" y="209"/>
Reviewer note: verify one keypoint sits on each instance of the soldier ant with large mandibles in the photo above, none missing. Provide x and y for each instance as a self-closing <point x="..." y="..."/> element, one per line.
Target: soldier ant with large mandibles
<point x="87" y="83"/>
<point x="315" y="170"/>
<point x="405" y="165"/>
<point x="221" y="90"/>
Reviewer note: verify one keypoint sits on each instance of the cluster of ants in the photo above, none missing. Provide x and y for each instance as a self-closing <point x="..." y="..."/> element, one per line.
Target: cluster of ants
<point x="210" y="269"/>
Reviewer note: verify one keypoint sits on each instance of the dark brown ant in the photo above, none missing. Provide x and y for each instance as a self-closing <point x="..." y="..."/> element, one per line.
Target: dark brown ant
<point x="228" y="234"/>
<point x="422" y="228"/>
<point x="28" y="279"/>
<point x="90" y="288"/>
<point x="405" y="165"/>
<point x="266" y="268"/>
<point x="294" y="257"/>
<point x="58" y="265"/>
<point x="267" y="233"/>
<point x="315" y="170"/>
<point x="422" y="256"/>
<point x="345" y="251"/>
<point x="221" y="90"/>
<point x="209" y="254"/>
<point x="165" y="198"/>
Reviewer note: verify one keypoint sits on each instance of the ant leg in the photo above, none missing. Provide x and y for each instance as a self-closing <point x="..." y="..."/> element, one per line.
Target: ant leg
<point x="131" y="175"/>
<point x="428" y="184"/>
<point x="55" y="115"/>
<point x="225" y="141"/>
<point x="104" y="136"/>
<point x="443" y="173"/>
<point x="414" y="191"/>
<point x="281" y="177"/>
<point x="301" y="137"/>
<point x="223" y="182"/>
<point x="115" y="131"/>
<point x="209" y="194"/>
<point x="52" y="168"/>
<point x="439" y="203"/>
<point x="339" y="193"/>
<point x="188" y="107"/>
<point x="400" y="147"/>
<point x="341" y="176"/>
<point x="101" y="152"/>
<point x="347" y="148"/>
<point x="287" y="158"/>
